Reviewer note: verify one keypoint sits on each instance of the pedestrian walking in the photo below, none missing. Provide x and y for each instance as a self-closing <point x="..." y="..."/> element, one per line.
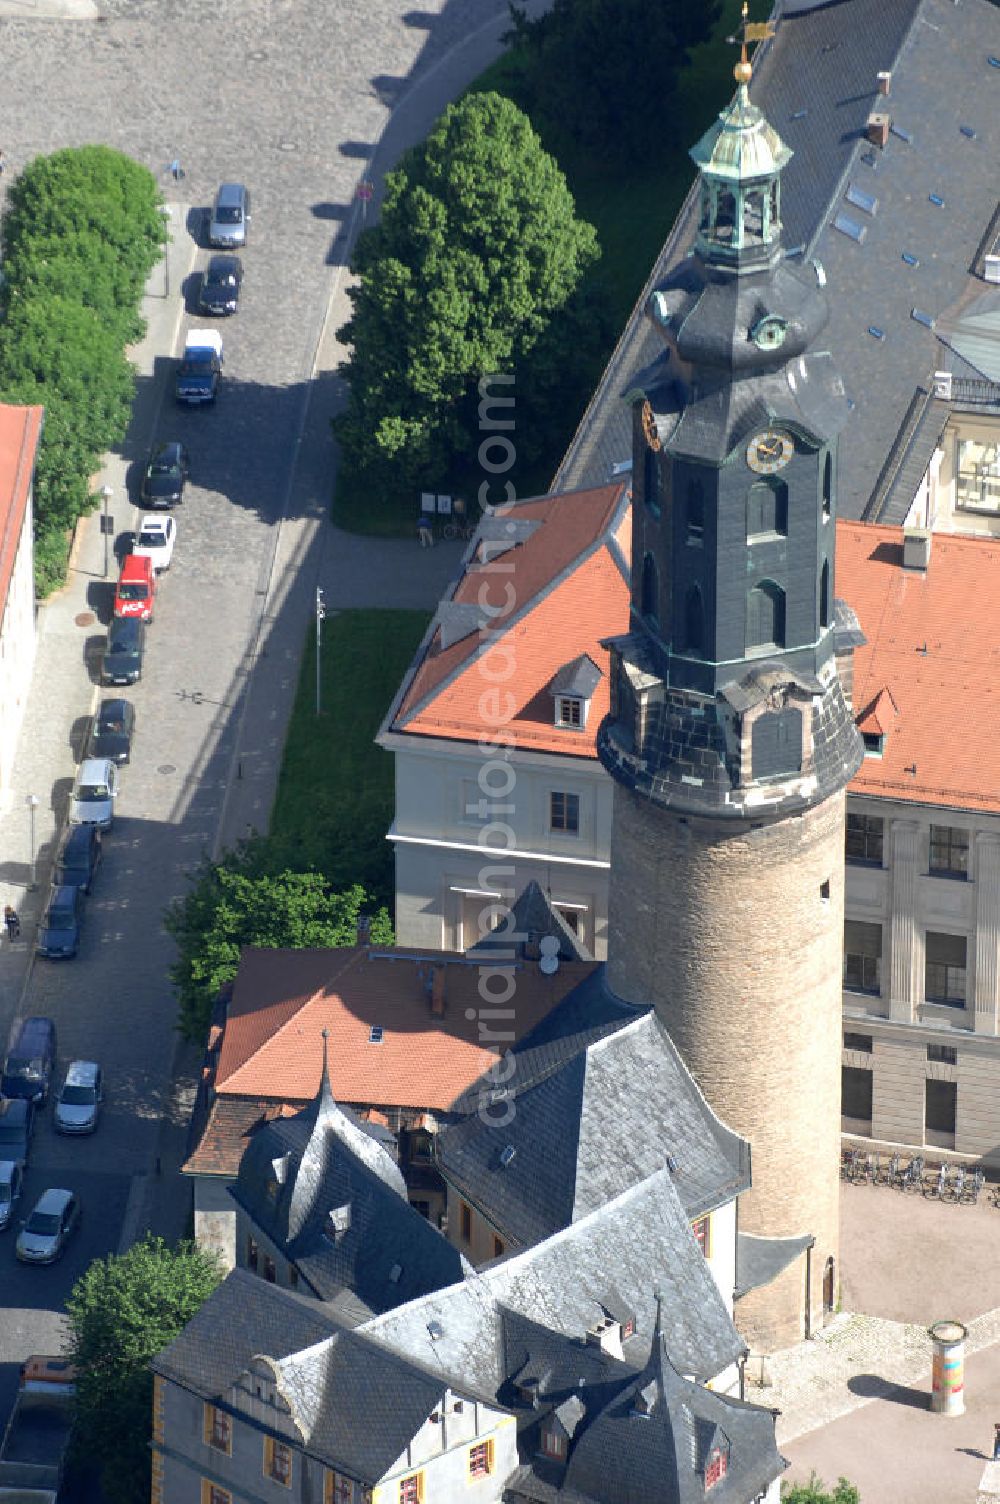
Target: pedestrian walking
<point x="176" y="170"/>
<point x="3" y="161"/>
<point x="425" y="532"/>
<point x="996" y="1442"/>
<point x="12" y="922"/>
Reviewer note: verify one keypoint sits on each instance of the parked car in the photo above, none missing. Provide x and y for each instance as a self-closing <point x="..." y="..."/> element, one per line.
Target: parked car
<point x="78" y="1103"/>
<point x="136" y="588"/>
<point x="59" y="930"/>
<point x="230" y="216"/>
<point x="78" y="858"/>
<point x="31" y="1060"/>
<point x="92" y="801"/>
<point x="112" y="731"/>
<point x="54" y="1219"/>
<point x="200" y="368"/>
<point x="165" y="476"/>
<point x="220" y="286"/>
<point x="124" y="653"/>
<point x="155" y="541"/>
<point x="17" y="1124"/>
<point x="11" y="1183"/>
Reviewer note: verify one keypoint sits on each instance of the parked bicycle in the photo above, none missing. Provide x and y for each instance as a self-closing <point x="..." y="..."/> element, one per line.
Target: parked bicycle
<point x="974" y="1187"/>
<point x="913" y="1175"/>
<point x="954" y="1184"/>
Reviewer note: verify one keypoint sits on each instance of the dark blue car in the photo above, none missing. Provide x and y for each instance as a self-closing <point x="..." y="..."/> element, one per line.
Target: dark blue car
<point x="79" y="858"/>
<point x="59" y="931"/>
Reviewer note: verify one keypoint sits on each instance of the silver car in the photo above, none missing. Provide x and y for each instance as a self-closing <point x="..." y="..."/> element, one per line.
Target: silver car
<point x="94" y="793"/>
<point x="227" y="225"/>
<point x="78" y="1102"/>
<point x="11" y="1177"/>
<point x="44" y="1236"/>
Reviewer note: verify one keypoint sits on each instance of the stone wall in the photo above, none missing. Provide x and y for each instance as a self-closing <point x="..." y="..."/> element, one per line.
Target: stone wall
<point x="735" y="932"/>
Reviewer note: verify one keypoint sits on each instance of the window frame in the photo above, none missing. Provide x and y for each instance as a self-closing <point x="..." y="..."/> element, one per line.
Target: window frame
<point x="465" y="1221"/>
<point x="571" y="712"/>
<point x="702" y="1229"/>
<point x="212" y="1415"/>
<point x="214" y="1493"/>
<point x="253" y="1254"/>
<point x="947" y="974"/>
<point x="486" y="1449"/>
<point x="553" y="1443"/>
<point x="869" y="838"/>
<point x="273" y="1447"/>
<point x="867" y="977"/>
<point x="716" y="1467"/>
<point x="953" y="841"/>
<point x="567" y="821"/>
<point x="338" y="1488"/>
<point x="414" y="1495"/>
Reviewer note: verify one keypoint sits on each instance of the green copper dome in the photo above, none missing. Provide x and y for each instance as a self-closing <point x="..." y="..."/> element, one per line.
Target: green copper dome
<point x="742" y="145"/>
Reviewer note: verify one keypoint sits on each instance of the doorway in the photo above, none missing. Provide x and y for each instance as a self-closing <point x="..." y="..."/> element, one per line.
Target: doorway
<point x="829" y="1287"/>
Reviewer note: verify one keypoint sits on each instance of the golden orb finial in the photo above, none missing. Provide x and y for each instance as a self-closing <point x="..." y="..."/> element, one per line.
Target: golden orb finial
<point x="743" y="71"/>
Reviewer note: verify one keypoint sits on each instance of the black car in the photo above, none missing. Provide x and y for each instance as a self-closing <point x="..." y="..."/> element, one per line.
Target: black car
<point x="31" y="1059"/>
<point x="220" y="286"/>
<point x="17" y="1124"/>
<point x="125" y="651"/>
<point x="111" y="733"/>
<point x="79" y="858"/>
<point x="166" y="475"/>
<point x="59" y="930"/>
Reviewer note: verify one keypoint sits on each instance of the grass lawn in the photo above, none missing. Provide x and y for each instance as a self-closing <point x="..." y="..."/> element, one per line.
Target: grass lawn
<point x="632" y="209"/>
<point x="335" y="793"/>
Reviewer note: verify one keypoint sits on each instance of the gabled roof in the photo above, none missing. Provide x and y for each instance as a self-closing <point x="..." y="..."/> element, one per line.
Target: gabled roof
<point x="532" y="919"/>
<point x="604" y="1121"/>
<point x="616" y="1254"/>
<point x="298" y="1170"/>
<point x="567" y="565"/>
<point x="20" y="431"/>
<point x="925" y="676"/>
<point x="358" y="1405"/>
<point x="283" y="999"/>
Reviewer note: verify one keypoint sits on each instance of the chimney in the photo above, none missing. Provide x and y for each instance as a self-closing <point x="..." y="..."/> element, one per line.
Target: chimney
<point x="364" y="928"/>
<point x="607" y="1335"/>
<point x="877" y="129"/>
<point x="437" y="991"/>
<point x="942" y="385"/>
<point x="884" y="82"/>
<point x="916" y="548"/>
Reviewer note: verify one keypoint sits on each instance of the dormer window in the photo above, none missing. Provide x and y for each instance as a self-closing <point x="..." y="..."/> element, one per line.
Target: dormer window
<point x="716" y="1466"/>
<point x="554" y="1442"/>
<point x="571" y="712"/>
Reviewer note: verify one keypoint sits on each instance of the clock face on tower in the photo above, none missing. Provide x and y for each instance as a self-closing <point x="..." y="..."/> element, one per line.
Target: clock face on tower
<point x="770" y="451"/>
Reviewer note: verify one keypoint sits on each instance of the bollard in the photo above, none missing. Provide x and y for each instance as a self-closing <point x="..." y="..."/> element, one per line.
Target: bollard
<point x="948" y="1387"/>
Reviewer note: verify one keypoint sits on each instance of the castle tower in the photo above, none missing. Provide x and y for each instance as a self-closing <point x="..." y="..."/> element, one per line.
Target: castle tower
<point x="730" y="740"/>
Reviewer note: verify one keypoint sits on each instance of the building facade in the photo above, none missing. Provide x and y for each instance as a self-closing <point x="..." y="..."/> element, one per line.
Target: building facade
<point x="20" y="431"/>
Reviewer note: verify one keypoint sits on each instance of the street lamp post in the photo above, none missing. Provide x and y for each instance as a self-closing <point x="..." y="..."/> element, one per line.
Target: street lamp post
<point x="106" y="494"/>
<point x="32" y="802"/>
<point x="320" y="613"/>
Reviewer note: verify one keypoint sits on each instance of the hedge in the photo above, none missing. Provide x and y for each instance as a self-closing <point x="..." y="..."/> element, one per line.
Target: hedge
<point x="81" y="232"/>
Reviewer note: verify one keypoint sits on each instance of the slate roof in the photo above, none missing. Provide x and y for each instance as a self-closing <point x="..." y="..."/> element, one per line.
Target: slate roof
<point x="532" y="919"/>
<point x="568" y="558"/>
<point x="651" y="1442"/>
<point x="387" y="1254"/>
<point x="816" y="82"/>
<point x="283" y="999"/>
<point x="221" y="1133"/>
<point x="617" y="1253"/>
<point x="358" y="1403"/>
<point x="930" y="639"/>
<point x="20" y="432"/>
<point x="604" y="1121"/>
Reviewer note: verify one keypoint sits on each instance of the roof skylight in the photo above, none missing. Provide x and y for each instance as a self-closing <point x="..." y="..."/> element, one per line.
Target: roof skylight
<point x="936" y="200"/>
<point x="861" y="200"/>
<point x="876" y="332"/>
<point x="910" y="259"/>
<point x="897" y="130"/>
<point x="850" y="227"/>
<point x="375" y="1034"/>
<point x="921" y="317"/>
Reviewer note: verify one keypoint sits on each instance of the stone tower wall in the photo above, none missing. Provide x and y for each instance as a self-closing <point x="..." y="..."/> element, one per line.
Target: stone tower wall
<point x="725" y="929"/>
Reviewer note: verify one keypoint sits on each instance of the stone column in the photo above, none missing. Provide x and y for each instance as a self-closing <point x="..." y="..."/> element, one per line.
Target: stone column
<point x="902" y="919"/>
<point x="986" y="978"/>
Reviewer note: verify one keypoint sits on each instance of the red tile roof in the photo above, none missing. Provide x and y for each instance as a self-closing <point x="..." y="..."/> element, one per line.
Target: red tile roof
<point x="20" y="430"/>
<point x="229" y="1126"/>
<point x="284" y="999"/>
<point x="927" y="676"/>
<point x="567" y="590"/>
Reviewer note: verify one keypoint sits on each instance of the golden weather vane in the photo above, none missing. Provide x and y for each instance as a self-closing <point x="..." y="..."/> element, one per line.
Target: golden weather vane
<point x="750" y="31"/>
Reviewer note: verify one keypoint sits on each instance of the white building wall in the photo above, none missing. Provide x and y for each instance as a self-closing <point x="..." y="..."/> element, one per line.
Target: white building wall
<point x="17" y="650"/>
<point x="456" y="845"/>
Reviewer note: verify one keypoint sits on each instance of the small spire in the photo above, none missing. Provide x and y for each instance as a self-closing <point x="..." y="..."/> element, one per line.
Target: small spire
<point x="750" y="31"/>
<point x="325" y="1091"/>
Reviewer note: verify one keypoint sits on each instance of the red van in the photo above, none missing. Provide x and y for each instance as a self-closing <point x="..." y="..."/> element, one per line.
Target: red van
<point x="136" y="588"/>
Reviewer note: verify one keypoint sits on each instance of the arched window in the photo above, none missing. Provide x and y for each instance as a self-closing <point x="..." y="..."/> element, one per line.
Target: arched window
<point x="694" y="621"/>
<point x="775" y="205"/>
<point x="765" y="616"/>
<point x="649" y="603"/>
<point x="824" y="594"/>
<point x="753" y="215"/>
<point x="827" y="484"/>
<point x="651" y="482"/>
<point x="695" y="509"/>
<point x="767" y="508"/>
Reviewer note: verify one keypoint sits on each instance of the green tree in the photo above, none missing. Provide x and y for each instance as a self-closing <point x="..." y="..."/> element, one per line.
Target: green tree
<point x="478" y="248"/>
<point x="122" y="1311"/>
<point x="605" y="71"/>
<point x="236" y="904"/>
<point x="815" y="1492"/>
